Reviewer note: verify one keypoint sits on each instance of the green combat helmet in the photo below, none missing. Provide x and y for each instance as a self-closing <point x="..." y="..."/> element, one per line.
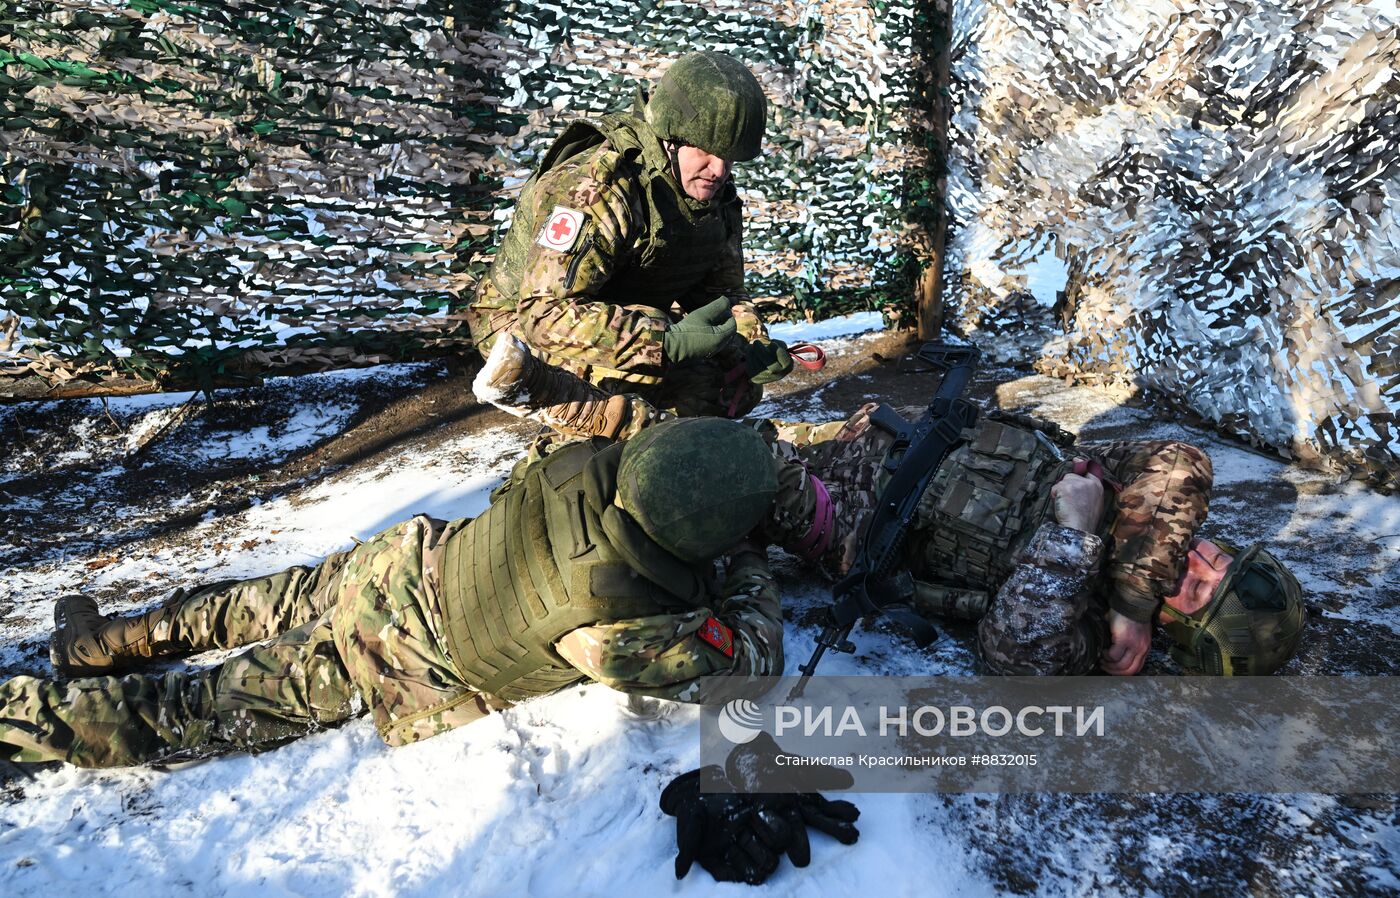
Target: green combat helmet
<point x="1252" y="624"/>
<point x="696" y="486"/>
<point x="711" y="101"/>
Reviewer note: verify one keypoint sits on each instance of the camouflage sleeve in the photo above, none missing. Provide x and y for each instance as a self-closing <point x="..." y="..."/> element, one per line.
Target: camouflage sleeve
<point x="751" y="326"/>
<point x="793" y="513"/>
<point x="1166" y="491"/>
<point x="843" y="461"/>
<point x="666" y="655"/>
<point x="837" y="467"/>
<point x="1038" y="623"/>
<point x="558" y="309"/>
<point x="791" y="439"/>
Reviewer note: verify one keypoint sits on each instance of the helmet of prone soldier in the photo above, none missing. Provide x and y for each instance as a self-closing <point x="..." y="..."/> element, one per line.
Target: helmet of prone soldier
<point x="696" y="486"/>
<point x="1252" y="623"/>
<point x="711" y="101"/>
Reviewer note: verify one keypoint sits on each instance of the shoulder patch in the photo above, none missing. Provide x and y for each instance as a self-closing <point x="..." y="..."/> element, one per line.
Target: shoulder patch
<point x="561" y="229"/>
<point x="717" y="635"/>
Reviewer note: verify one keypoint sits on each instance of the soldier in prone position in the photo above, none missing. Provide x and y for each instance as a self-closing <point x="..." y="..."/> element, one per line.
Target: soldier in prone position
<point x="595" y="562"/>
<point x="1018" y="532"/>
<point x="623" y="262"/>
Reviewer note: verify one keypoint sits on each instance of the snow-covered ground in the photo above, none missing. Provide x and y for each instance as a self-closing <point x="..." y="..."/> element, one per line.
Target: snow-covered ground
<point x="828" y="329"/>
<point x="558" y="796"/>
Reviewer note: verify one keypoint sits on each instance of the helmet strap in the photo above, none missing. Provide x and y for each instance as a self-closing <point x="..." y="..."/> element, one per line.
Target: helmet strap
<point x="673" y="159"/>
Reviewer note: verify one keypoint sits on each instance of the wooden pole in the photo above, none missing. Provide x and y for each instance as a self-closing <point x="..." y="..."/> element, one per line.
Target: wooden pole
<point x="929" y="298"/>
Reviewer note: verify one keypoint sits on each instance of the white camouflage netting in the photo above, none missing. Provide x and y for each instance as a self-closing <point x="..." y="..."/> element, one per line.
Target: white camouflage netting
<point x="1210" y="189"/>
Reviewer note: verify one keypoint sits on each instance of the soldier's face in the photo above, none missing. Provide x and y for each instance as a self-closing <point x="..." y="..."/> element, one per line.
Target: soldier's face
<point x="702" y="175"/>
<point x="1206" y="564"/>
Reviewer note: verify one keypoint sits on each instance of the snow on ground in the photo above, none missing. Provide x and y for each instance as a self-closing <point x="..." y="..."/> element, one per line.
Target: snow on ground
<point x="828" y="329"/>
<point x="558" y="796"/>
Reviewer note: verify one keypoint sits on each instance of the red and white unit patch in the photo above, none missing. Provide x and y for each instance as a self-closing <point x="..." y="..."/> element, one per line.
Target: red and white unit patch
<point x="561" y="229"/>
<point x="717" y="635"/>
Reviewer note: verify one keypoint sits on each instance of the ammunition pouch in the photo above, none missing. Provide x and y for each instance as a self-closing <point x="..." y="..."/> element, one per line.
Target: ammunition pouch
<point x="980" y="509"/>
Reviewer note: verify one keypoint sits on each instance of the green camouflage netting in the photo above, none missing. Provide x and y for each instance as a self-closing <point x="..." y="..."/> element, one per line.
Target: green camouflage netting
<point x="197" y="189"/>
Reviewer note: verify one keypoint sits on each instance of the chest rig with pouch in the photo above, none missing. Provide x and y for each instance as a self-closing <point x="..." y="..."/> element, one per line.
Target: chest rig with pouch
<point x="981" y="509"/>
<point x="551" y="554"/>
<point x="685" y="239"/>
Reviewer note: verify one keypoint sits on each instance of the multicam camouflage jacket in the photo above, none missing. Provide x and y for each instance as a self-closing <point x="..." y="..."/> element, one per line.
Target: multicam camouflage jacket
<point x="670" y="655"/>
<point x="604" y="247"/>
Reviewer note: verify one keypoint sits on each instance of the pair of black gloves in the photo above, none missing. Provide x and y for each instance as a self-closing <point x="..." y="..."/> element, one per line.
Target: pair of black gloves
<point x="710" y="328"/>
<point x="740" y="836"/>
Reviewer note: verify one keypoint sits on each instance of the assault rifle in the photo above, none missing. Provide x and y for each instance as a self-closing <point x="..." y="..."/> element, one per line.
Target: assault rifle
<point x="877" y="582"/>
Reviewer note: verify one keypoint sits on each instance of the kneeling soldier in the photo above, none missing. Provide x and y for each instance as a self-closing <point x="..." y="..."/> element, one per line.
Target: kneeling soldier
<point x="623" y="261"/>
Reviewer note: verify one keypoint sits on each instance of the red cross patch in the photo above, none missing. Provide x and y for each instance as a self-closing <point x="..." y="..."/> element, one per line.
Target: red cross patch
<point x="717" y="635"/>
<point x="561" y="229"/>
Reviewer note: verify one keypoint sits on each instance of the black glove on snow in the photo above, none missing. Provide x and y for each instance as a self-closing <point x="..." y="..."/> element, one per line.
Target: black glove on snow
<point x="742" y="837"/>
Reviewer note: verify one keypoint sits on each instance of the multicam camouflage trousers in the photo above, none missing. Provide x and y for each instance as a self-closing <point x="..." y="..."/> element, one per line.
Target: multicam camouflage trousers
<point x="359" y="630"/>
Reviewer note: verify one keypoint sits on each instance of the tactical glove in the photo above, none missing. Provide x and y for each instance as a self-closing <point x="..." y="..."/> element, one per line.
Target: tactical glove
<point x="768" y="362"/>
<point x="741" y="837"/>
<point x="700" y="334"/>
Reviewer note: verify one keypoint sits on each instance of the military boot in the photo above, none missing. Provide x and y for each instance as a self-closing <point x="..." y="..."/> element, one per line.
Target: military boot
<point x="87" y="643"/>
<point x="515" y="380"/>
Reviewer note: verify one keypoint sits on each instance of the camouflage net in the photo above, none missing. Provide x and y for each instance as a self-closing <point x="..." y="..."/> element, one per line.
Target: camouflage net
<point x="198" y="188"/>
<point x="1211" y="192"/>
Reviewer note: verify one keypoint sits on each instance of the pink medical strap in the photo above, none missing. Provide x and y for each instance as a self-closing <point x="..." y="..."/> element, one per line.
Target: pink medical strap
<point x="808" y="355"/>
<point x="814" y="544"/>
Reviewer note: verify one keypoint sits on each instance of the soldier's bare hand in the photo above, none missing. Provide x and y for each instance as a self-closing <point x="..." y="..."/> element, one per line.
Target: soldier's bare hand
<point x="1128" y="643"/>
<point x="1078" y="501"/>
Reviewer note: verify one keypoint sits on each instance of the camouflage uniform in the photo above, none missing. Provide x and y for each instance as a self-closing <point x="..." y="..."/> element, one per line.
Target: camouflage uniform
<point x="368" y="628"/>
<point x="600" y="306"/>
<point x="1047" y="589"/>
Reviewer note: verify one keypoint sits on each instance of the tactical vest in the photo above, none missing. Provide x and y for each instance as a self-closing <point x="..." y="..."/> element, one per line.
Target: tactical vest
<point x="684" y="240"/>
<point x="552" y="554"/>
<point x="981" y="509"/>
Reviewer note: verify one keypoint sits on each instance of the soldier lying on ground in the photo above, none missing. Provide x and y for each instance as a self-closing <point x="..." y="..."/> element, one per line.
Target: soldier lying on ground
<point x="596" y="562"/>
<point x="1013" y="531"/>
<point x="623" y="261"/>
